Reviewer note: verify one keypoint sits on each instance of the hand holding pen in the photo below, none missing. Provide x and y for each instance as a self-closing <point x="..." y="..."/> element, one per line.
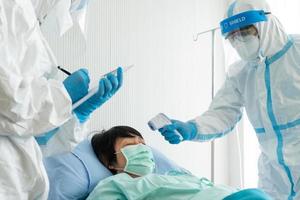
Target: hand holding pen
<point x="95" y="88"/>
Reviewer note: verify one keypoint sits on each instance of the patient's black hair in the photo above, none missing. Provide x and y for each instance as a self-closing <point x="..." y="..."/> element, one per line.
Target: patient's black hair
<point x="104" y="143"/>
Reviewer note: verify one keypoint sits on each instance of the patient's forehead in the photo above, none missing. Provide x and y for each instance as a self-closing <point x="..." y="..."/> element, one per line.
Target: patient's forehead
<point x="125" y="141"/>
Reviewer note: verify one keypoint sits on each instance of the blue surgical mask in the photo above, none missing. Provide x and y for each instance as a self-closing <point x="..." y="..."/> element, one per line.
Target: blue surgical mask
<point x="139" y="159"/>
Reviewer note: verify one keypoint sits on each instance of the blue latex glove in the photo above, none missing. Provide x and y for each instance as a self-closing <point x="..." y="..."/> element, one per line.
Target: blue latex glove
<point x="108" y="86"/>
<point x="77" y="84"/>
<point x="187" y="130"/>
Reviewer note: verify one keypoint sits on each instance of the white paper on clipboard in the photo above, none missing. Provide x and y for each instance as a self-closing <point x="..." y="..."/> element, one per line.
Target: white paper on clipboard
<point x="95" y="89"/>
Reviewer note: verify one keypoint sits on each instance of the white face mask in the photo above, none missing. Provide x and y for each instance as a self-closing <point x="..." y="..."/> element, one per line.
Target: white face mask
<point x="248" y="50"/>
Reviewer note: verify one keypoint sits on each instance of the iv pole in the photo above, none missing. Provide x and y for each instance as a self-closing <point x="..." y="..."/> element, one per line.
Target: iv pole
<point x="213" y="34"/>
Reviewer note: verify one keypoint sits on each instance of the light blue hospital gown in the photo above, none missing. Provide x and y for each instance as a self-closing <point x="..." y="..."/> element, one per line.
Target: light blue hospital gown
<point x="173" y="186"/>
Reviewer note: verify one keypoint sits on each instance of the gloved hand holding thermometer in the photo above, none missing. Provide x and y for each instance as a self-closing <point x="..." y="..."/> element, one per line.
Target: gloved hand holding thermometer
<point x="174" y="131"/>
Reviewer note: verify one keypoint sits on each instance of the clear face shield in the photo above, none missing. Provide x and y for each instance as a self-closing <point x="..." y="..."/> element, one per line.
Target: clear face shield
<point x="241" y="33"/>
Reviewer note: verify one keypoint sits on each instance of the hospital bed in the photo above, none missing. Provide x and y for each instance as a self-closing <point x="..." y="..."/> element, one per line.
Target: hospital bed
<point x="74" y="175"/>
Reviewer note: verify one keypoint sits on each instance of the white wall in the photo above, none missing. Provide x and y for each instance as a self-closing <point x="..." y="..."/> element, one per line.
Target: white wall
<point x="172" y="73"/>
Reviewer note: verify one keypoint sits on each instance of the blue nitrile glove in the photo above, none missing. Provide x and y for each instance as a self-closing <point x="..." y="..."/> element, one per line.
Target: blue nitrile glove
<point x="188" y="131"/>
<point x="108" y="86"/>
<point x="77" y="84"/>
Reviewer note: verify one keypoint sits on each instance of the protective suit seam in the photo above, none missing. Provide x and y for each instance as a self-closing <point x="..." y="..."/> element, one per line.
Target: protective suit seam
<point x="279" y="148"/>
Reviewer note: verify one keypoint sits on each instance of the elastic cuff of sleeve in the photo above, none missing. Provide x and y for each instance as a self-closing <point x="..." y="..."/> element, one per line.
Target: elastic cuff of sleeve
<point x="194" y="130"/>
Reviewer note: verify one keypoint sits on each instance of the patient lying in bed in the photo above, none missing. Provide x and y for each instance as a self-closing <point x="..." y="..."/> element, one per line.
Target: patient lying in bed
<point x="124" y="152"/>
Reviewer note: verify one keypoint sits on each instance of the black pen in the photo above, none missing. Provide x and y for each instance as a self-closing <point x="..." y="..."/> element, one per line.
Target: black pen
<point x="63" y="70"/>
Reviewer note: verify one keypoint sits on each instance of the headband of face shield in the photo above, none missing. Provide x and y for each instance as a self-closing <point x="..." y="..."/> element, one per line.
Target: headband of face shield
<point x="139" y="159"/>
<point x="242" y="20"/>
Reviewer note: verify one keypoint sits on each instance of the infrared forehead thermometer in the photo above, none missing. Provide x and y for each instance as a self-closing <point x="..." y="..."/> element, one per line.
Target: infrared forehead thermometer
<point x="161" y="120"/>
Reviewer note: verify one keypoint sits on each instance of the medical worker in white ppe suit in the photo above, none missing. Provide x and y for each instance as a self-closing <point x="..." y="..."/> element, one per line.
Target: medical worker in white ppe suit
<point x="266" y="82"/>
<point x="32" y="101"/>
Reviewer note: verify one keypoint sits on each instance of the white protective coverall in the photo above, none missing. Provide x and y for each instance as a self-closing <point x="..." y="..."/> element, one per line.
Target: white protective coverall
<point x="32" y="102"/>
<point x="269" y="89"/>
